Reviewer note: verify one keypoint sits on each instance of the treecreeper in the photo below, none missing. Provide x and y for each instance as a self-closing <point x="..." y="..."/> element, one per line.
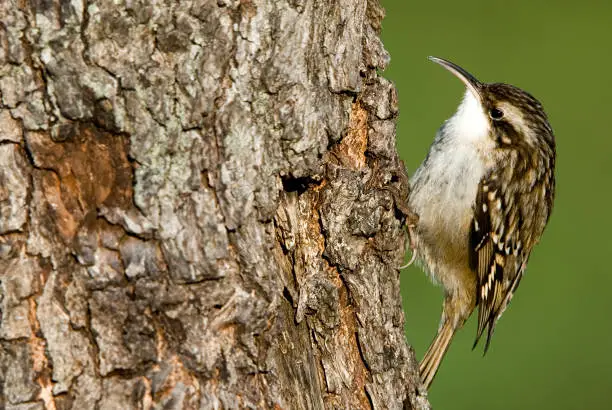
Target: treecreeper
<point x="483" y="196"/>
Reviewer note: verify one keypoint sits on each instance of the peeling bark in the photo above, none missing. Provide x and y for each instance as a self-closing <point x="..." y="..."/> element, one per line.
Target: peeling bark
<point x="201" y="206"/>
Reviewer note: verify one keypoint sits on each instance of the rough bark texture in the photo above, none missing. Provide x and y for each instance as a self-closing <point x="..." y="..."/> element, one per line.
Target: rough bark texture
<point x="201" y="206"/>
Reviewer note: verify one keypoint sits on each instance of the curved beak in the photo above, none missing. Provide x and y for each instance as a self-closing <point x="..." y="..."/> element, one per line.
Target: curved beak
<point x="468" y="79"/>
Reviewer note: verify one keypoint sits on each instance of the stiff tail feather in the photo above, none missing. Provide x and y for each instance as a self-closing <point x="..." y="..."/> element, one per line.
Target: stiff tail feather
<point x="434" y="355"/>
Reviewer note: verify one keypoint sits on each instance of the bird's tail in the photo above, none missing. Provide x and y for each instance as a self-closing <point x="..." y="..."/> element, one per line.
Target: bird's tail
<point x="434" y="355"/>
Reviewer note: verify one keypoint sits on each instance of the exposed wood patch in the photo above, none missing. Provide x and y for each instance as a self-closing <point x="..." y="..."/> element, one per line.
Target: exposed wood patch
<point x="351" y="150"/>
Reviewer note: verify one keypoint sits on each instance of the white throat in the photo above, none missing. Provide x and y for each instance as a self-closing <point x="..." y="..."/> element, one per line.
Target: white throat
<point x="469" y="123"/>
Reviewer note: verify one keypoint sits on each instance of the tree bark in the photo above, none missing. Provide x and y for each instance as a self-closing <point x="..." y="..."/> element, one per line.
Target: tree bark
<point x="201" y="206"/>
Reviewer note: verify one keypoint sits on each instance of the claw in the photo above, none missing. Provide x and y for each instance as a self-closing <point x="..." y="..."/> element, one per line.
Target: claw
<point x="410" y="262"/>
<point x="412" y="247"/>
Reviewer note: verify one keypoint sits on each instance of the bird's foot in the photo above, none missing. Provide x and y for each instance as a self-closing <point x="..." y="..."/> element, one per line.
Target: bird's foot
<point x="412" y="245"/>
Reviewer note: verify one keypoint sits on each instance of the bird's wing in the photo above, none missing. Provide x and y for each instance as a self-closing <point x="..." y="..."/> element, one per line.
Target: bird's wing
<point x="507" y="222"/>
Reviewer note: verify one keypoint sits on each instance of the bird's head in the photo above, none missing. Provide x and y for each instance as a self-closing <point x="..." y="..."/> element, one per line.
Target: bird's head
<point x="502" y="113"/>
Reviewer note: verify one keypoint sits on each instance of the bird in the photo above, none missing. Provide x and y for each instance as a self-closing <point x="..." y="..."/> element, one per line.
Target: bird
<point x="483" y="196"/>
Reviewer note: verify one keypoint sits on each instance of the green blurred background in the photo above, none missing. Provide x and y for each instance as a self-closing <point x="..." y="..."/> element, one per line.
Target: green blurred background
<point x="553" y="347"/>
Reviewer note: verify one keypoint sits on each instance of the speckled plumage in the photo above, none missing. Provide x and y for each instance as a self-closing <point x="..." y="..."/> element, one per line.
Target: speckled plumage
<point x="483" y="194"/>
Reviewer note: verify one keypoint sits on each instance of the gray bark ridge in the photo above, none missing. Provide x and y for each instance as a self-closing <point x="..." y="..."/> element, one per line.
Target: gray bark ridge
<point x="201" y="206"/>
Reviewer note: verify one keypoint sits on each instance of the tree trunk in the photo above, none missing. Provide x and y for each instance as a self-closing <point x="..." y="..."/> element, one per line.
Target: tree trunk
<point x="201" y="206"/>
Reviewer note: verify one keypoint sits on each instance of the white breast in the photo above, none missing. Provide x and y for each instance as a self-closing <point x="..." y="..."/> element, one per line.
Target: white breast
<point x="443" y="188"/>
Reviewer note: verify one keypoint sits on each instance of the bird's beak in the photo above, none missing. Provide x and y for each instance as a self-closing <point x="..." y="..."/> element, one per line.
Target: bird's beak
<point x="468" y="79"/>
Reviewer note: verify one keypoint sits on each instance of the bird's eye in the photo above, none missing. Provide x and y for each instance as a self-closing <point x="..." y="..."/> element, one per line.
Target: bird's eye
<point x="496" y="114"/>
